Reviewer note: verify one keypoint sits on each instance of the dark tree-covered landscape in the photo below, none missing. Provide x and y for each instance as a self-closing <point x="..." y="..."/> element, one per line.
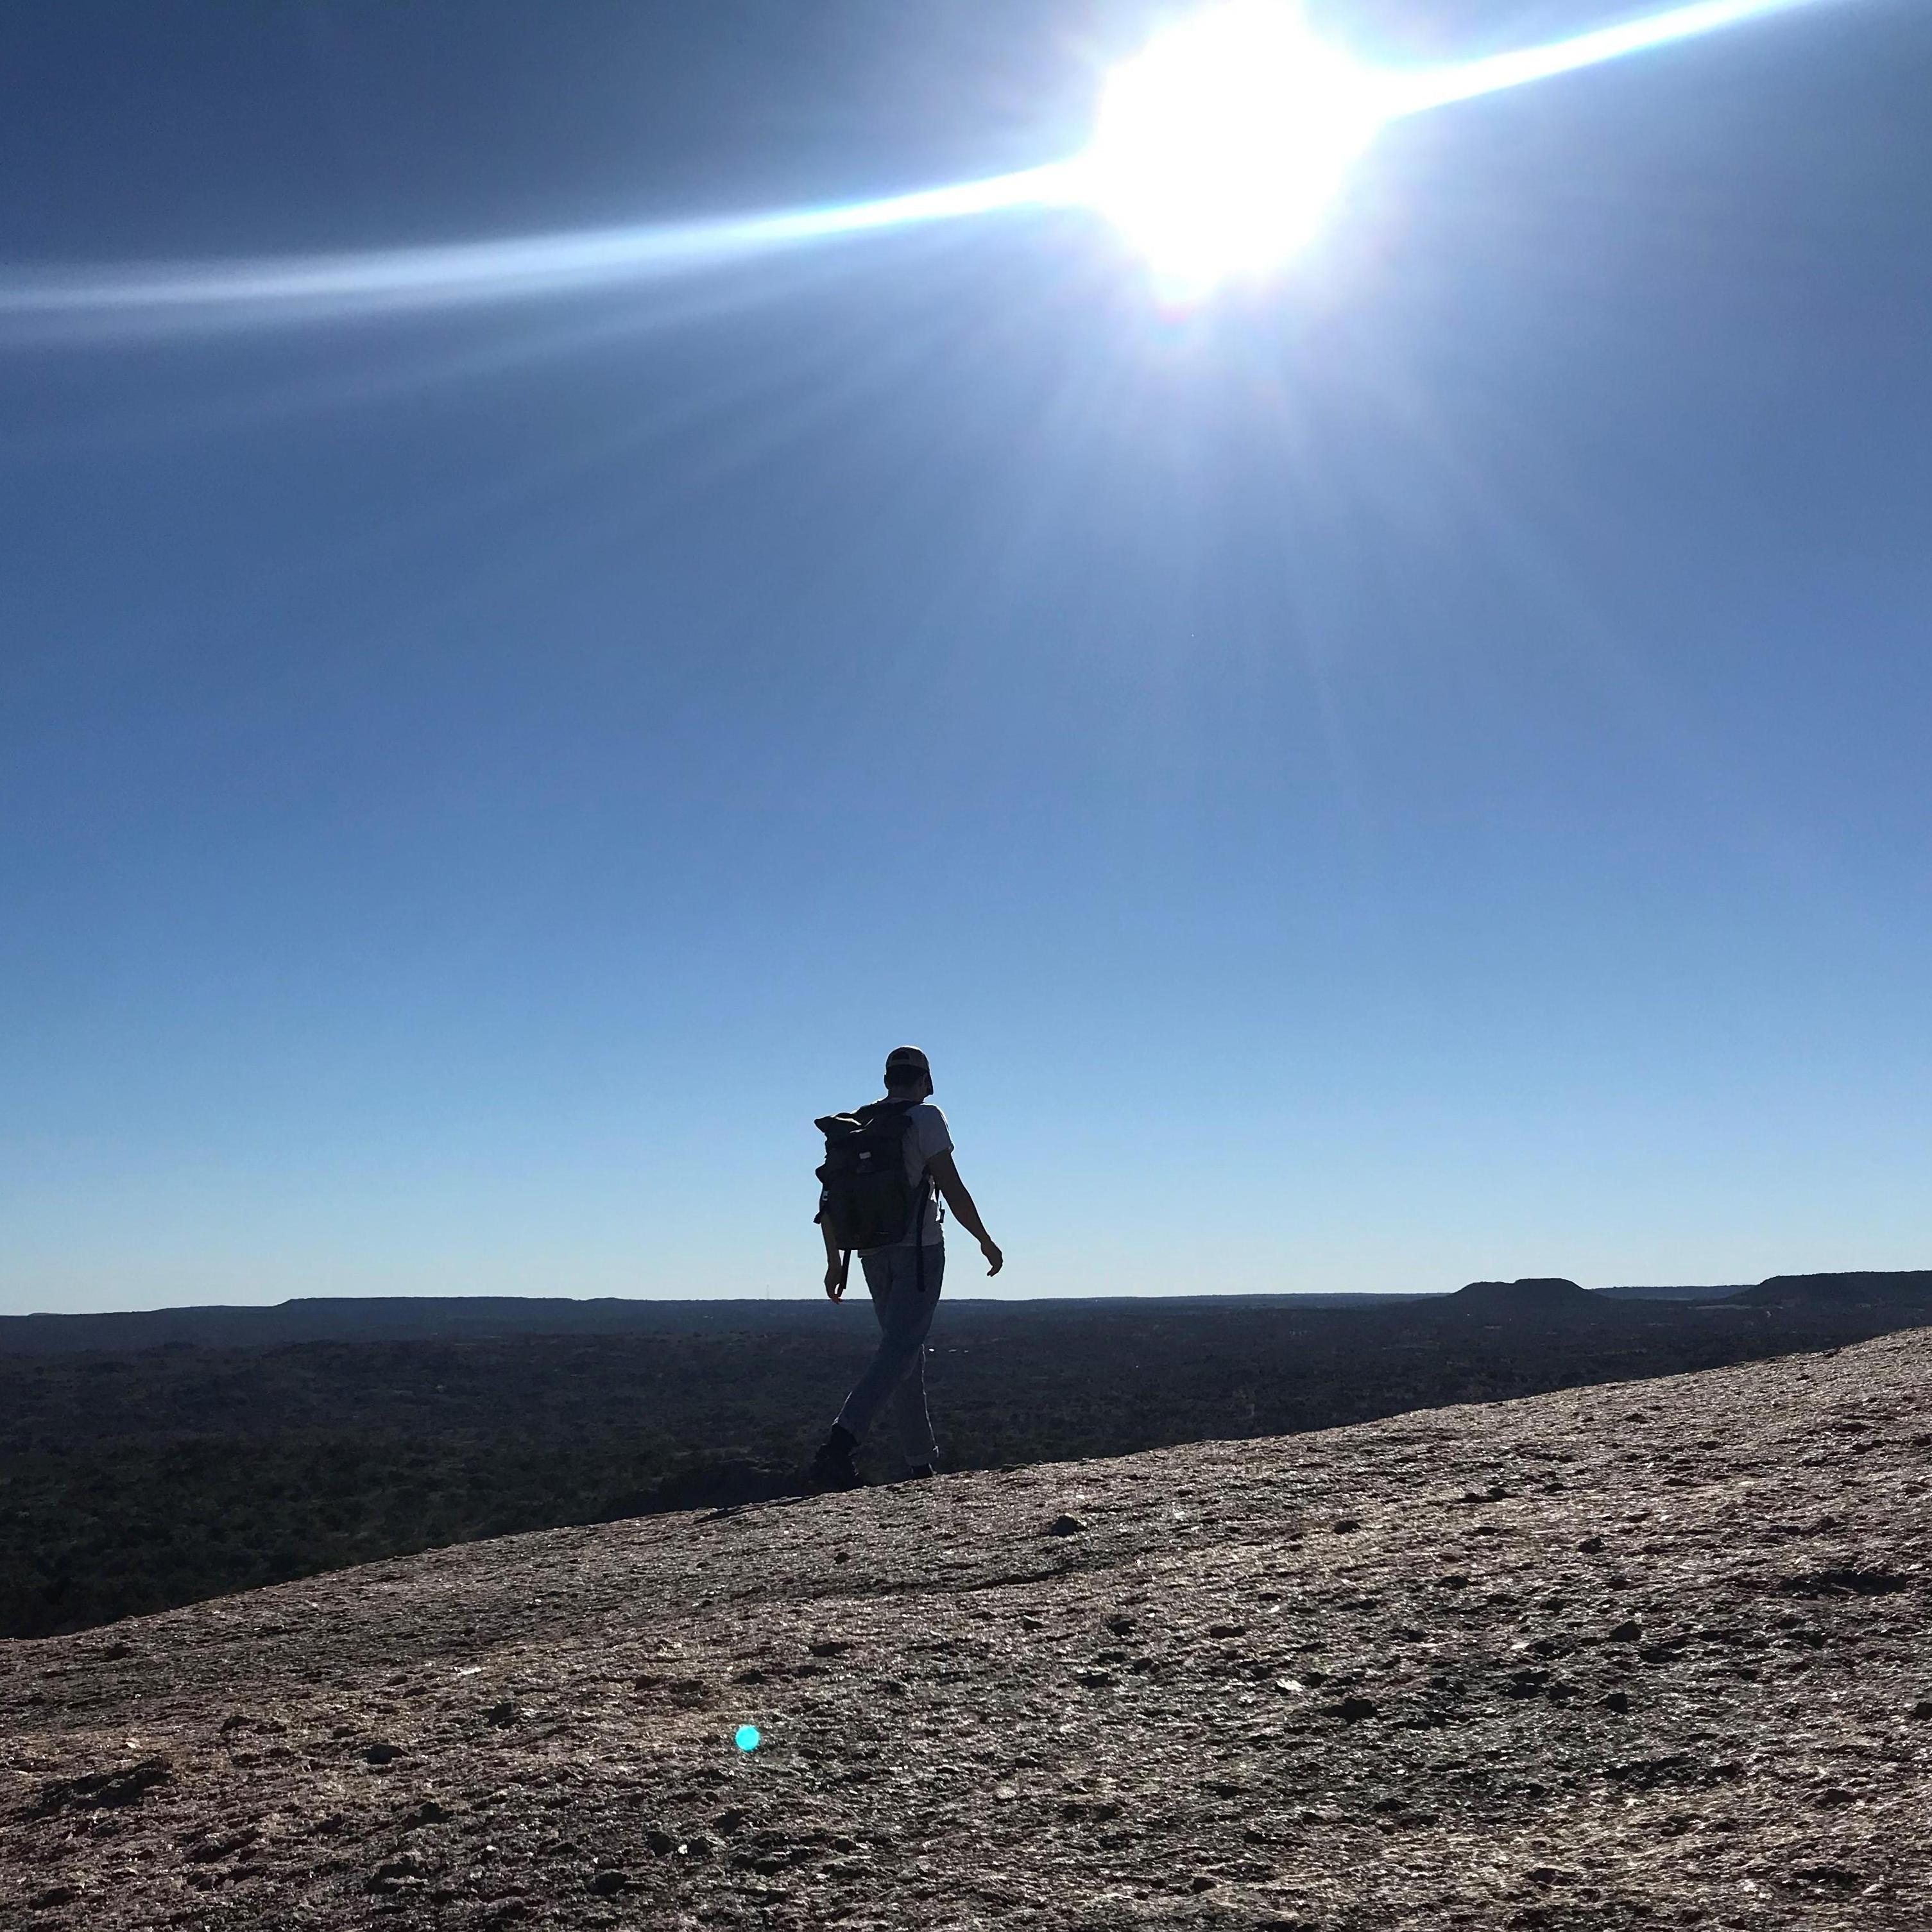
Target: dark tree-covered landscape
<point x="134" y="1480"/>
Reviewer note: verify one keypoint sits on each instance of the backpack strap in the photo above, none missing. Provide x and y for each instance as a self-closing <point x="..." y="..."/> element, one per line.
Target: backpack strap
<point x="918" y="1234"/>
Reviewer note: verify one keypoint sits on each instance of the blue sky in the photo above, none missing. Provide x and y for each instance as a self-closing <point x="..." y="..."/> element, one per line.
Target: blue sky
<point x="1413" y="774"/>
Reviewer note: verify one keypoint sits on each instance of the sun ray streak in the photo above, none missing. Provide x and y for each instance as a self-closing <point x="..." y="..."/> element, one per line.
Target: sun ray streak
<point x="230" y="294"/>
<point x="77" y="306"/>
<point x="1413" y="94"/>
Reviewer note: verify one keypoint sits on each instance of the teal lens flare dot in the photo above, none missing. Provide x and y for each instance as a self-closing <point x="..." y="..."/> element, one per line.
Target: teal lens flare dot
<point x="748" y="1737"/>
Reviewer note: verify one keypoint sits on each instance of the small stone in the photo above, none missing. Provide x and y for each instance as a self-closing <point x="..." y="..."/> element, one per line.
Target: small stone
<point x="726" y="1823"/>
<point x="1591" y="1545"/>
<point x="1065" y="1526"/>
<point x="1923" y="1708"/>
<point x="502" y="1715"/>
<point x="396" y="1874"/>
<point x="1616" y="1700"/>
<point x="1628" y="1631"/>
<point x="1345" y="1526"/>
<point x="382" y="1754"/>
<point x="1121" y="1625"/>
<point x="608" y="1884"/>
<point x="1227" y="1629"/>
<point x="1352" y="1710"/>
<point x="1003" y="1794"/>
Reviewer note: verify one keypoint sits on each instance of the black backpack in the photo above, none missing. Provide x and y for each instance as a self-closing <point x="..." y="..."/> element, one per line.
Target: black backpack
<point x="866" y="1199"/>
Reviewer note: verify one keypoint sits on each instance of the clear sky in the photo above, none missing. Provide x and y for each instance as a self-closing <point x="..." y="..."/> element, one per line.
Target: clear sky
<point x="1415" y="773"/>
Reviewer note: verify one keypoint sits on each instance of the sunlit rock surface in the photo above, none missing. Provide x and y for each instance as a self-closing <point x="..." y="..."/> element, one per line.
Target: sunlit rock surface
<point x="1637" y="1655"/>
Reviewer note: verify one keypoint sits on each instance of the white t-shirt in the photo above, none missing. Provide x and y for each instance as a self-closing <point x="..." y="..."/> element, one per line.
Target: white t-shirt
<point x="926" y="1134"/>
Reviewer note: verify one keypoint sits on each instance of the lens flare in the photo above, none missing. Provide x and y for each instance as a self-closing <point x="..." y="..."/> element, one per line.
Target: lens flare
<point x="185" y="297"/>
<point x="1437" y="89"/>
<point x="1217" y="152"/>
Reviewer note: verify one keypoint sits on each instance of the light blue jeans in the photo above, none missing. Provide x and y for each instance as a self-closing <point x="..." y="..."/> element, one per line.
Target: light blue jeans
<point x="898" y="1372"/>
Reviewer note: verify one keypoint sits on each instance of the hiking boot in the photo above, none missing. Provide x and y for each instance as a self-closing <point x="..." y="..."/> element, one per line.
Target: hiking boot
<point x="832" y="1468"/>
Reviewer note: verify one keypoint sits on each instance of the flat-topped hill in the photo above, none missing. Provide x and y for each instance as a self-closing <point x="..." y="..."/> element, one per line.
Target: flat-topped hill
<point x="1608" y="1657"/>
<point x="1538" y="1295"/>
<point x="1902" y="1288"/>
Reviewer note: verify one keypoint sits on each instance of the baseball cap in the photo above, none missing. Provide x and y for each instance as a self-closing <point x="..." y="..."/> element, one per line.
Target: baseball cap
<point x="909" y="1057"/>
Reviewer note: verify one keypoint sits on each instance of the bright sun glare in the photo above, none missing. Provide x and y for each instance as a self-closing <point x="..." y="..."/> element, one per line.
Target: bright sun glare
<point x="1218" y="149"/>
<point x="1217" y="152"/>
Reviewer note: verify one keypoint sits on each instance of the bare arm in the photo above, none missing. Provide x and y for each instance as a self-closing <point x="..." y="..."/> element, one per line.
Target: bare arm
<point x="835" y="1264"/>
<point x="953" y="1192"/>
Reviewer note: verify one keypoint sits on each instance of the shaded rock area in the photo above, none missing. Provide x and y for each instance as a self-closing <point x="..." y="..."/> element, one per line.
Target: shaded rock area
<point x="1607" y="1657"/>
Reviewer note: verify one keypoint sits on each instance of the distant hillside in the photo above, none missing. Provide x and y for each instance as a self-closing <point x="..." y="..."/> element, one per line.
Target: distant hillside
<point x="482" y="1318"/>
<point x="1906" y="1289"/>
<point x="485" y="1317"/>
<point x="1674" y="1294"/>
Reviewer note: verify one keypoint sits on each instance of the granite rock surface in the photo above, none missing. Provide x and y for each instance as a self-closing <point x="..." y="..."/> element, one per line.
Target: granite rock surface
<point x="1643" y="1654"/>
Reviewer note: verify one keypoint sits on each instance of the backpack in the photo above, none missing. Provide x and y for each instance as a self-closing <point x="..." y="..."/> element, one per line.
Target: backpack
<point x="865" y="1199"/>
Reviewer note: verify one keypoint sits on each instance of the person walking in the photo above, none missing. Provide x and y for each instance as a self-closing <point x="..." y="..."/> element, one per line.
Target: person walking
<point x="903" y="1274"/>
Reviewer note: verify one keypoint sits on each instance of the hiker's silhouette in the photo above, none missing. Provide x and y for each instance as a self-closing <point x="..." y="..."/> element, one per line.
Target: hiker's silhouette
<point x="888" y="1166"/>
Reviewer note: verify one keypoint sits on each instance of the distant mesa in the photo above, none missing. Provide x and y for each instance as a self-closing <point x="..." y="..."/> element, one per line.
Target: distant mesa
<point x="1902" y="1288"/>
<point x="1534" y="1294"/>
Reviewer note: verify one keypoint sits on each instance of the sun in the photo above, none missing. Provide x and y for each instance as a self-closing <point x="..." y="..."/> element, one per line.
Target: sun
<point x="1217" y="149"/>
